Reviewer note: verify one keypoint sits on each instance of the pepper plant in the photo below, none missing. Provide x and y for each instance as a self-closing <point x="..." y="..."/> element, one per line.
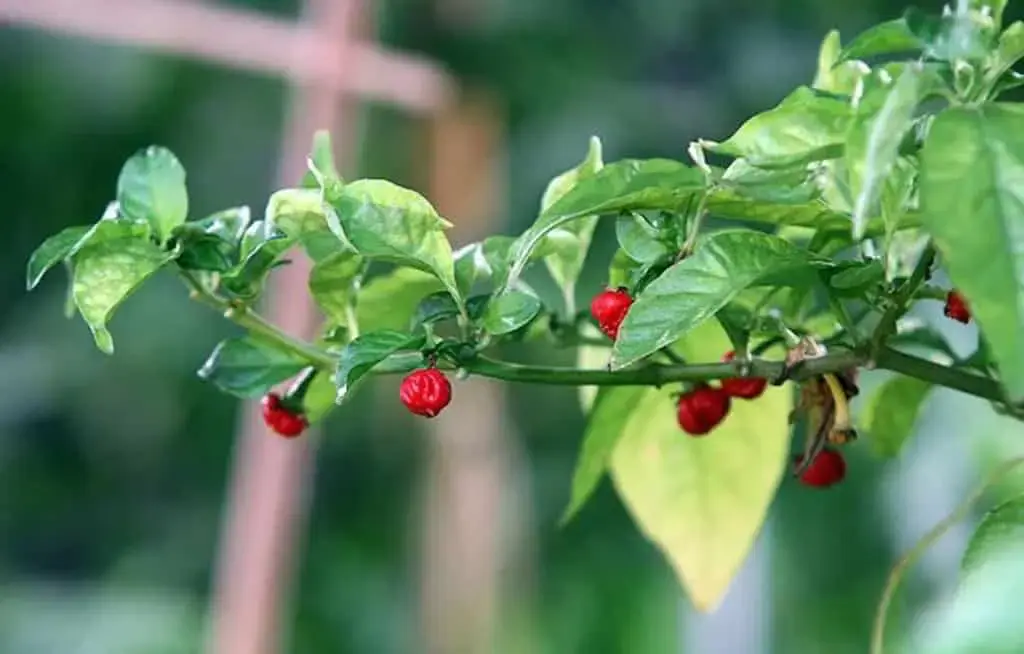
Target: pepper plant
<point x="755" y="276"/>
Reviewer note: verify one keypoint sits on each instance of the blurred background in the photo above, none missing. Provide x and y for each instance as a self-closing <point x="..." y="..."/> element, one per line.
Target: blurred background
<point x="384" y="534"/>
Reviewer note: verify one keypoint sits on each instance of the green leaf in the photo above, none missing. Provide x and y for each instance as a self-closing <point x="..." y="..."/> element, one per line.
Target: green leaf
<point x="953" y="36"/>
<point x="468" y="267"/>
<point x="52" y="251"/>
<point x="965" y="36"/>
<point x="613" y="409"/>
<point x="791" y="185"/>
<point x="332" y="283"/>
<point x="436" y="307"/>
<point x="319" y="398"/>
<point x="1009" y="51"/>
<point x="212" y="243"/>
<point x="972" y="196"/>
<point x="296" y="212"/>
<point x="591" y="357"/>
<point x="702" y="501"/>
<point x="835" y="77"/>
<point x="736" y="320"/>
<point x="621" y="270"/>
<point x="892" y="411"/>
<point x="110" y="262"/>
<point x="151" y="188"/>
<point x="322" y="169"/>
<point x="566" y="264"/>
<point x="389" y="302"/>
<point x="873" y="143"/>
<point x="726" y="203"/>
<point x="806" y="126"/>
<point x="248" y="367"/>
<point x="366" y="351"/>
<point x="695" y="289"/>
<point x="639" y="239"/>
<point x="300" y="214"/>
<point x="508" y="311"/>
<point x="1000" y="531"/>
<point x="858" y="275"/>
<point x="260" y="252"/>
<point x="993" y="7"/>
<point x="382" y="220"/>
<point x="229" y="224"/>
<point x="1009" y="81"/>
<point x="629" y="185"/>
<point x="888" y="38"/>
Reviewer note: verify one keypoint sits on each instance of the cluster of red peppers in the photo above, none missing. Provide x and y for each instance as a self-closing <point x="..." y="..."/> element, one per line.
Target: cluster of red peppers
<point x="699" y="410"/>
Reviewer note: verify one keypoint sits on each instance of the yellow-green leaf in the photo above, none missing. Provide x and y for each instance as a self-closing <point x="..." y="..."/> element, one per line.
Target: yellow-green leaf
<point x="702" y="501"/>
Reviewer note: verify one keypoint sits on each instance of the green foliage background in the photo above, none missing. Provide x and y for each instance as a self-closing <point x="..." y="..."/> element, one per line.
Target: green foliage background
<point x="112" y="469"/>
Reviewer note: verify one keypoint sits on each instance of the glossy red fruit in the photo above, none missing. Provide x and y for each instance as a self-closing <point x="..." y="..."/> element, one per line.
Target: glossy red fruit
<point x="747" y="388"/>
<point x="956" y="308"/>
<point x="609" y="308"/>
<point x="702" y="409"/>
<point x="827" y="469"/>
<point x="281" y="420"/>
<point x="425" y="392"/>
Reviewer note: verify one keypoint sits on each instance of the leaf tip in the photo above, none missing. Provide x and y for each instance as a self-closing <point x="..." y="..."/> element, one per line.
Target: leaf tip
<point x="567" y="516"/>
<point x="104" y="341"/>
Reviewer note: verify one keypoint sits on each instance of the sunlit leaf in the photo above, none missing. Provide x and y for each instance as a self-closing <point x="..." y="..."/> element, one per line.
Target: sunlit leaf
<point x="833" y="76"/>
<point x="606" y="424"/>
<point x="873" y="142"/>
<point x="110" y="263"/>
<point x="628" y="185"/>
<point x="389" y="302"/>
<point x="322" y="169"/>
<point x="319" y="398"/>
<point x="332" y="284"/>
<point x="702" y="501"/>
<point x="382" y="220"/>
<point x="566" y="263"/>
<point x="806" y="126"/>
<point x="151" y="188"/>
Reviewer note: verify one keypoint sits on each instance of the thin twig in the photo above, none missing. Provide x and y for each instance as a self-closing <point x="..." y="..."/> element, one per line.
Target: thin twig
<point x="926" y="541"/>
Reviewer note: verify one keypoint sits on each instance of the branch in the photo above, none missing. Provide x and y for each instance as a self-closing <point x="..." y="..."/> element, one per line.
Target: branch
<point x="654" y="374"/>
<point x="955" y="378"/>
<point x="649" y="374"/>
<point x="246" y="318"/>
<point x="902" y="297"/>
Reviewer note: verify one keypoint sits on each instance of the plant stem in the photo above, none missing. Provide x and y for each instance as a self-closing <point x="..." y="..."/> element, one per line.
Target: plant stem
<point x="659" y="374"/>
<point x="652" y="374"/>
<point x="351" y="320"/>
<point x="919" y="548"/>
<point x="698" y="220"/>
<point x="957" y="379"/>
<point x="845" y="321"/>
<point x="902" y="297"/>
<point x="248" y="319"/>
